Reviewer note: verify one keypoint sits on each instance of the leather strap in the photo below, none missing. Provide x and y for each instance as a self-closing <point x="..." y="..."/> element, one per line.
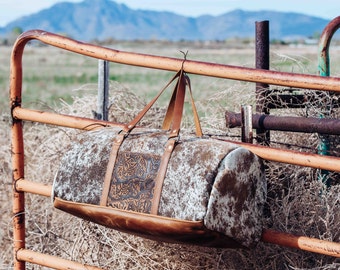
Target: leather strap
<point x="118" y="142"/>
<point x="178" y="107"/>
<point x="174" y="116"/>
<point x="110" y="166"/>
<point x="127" y="128"/>
<point x="170" y="111"/>
<point x="197" y="122"/>
<point x="170" y="145"/>
<point x="177" y="112"/>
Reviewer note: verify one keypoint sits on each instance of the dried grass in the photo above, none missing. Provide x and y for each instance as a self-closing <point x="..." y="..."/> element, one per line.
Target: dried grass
<point x="297" y="202"/>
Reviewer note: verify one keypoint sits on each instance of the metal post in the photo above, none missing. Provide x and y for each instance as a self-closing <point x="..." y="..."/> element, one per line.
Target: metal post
<point x="103" y="90"/>
<point x="262" y="62"/>
<point x="247" y="124"/>
<point x="18" y="166"/>
<point x="324" y="70"/>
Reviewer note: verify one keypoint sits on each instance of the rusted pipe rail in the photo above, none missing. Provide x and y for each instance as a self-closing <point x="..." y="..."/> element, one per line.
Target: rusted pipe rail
<point x="324" y="43"/>
<point x="51" y="261"/>
<point x="293" y="157"/>
<point x="62" y="120"/>
<point x="163" y="63"/>
<point x="301" y="242"/>
<point x="324" y="70"/>
<point x="278" y="155"/>
<point x="269" y="236"/>
<point x="287" y="123"/>
<point x="21" y="255"/>
<point x="24" y="185"/>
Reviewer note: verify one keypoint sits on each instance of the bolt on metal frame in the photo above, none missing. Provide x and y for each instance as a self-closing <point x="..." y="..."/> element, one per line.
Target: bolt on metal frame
<point x="20" y="114"/>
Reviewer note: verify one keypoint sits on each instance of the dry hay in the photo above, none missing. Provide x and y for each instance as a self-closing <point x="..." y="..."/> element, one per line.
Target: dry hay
<point x="297" y="202"/>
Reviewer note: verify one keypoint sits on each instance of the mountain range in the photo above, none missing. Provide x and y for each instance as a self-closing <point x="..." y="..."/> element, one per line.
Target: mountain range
<point x="104" y="19"/>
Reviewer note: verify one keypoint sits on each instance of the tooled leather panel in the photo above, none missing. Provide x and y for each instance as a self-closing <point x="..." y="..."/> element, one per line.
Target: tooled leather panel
<point x="149" y="226"/>
<point x="237" y="198"/>
<point x="82" y="169"/>
<point x="133" y="181"/>
<point x="136" y="175"/>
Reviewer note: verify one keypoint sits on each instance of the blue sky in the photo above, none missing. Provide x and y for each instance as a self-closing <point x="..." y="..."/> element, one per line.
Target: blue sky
<point x="329" y="9"/>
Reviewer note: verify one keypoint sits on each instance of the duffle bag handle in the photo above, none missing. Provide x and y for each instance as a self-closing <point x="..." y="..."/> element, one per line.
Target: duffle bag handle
<point x="170" y="111"/>
<point x="174" y="112"/>
<point x="132" y="124"/>
<point x="179" y="92"/>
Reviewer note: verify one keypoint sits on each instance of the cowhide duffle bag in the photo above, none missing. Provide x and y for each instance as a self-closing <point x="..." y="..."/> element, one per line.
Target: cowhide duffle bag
<point x="162" y="186"/>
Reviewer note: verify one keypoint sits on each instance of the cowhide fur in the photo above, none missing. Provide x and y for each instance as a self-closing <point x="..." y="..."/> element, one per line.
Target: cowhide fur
<point x="207" y="180"/>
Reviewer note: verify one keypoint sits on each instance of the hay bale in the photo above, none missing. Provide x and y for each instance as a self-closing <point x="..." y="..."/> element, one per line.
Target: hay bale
<point x="296" y="203"/>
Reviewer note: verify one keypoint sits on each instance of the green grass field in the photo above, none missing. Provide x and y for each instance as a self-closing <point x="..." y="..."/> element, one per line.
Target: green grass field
<point x="51" y="74"/>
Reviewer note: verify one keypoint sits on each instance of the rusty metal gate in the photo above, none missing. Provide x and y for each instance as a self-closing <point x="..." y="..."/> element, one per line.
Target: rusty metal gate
<point x="21" y="185"/>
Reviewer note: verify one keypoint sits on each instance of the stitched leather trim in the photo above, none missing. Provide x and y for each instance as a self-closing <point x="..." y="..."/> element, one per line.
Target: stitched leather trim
<point x="149" y="226"/>
<point x="197" y="122"/>
<point x="174" y="116"/>
<point x="110" y="166"/>
<point x="178" y="107"/>
<point x="133" y="181"/>
<point x="140" y="115"/>
<point x="161" y="175"/>
<point x="169" y="113"/>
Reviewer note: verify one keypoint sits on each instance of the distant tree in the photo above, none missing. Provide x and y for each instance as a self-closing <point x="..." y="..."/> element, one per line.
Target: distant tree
<point x="12" y="36"/>
<point x="316" y="35"/>
<point x="17" y="31"/>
